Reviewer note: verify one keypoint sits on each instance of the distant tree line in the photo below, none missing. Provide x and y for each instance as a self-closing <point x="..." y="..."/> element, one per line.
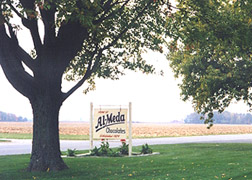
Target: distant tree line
<point x="221" y="118"/>
<point x="8" y="117"/>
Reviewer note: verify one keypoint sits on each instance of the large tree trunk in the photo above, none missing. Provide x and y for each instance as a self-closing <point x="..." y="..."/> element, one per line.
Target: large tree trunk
<point x="43" y="86"/>
<point x="46" y="155"/>
<point x="43" y="89"/>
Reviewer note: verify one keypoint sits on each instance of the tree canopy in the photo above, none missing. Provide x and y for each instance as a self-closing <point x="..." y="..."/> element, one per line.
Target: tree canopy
<point x="91" y="38"/>
<point x="84" y="39"/>
<point x="211" y="51"/>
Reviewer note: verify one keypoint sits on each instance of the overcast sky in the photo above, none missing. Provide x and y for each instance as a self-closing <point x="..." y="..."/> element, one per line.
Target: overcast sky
<point x="154" y="98"/>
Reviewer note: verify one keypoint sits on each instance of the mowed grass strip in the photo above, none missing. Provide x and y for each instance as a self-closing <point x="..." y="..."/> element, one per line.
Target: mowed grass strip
<point x="29" y="136"/>
<point x="15" y="136"/>
<point x="2" y="140"/>
<point x="175" y="162"/>
<point x="62" y="136"/>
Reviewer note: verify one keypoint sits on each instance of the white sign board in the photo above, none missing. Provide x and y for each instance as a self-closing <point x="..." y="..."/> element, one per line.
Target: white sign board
<point x="110" y="124"/>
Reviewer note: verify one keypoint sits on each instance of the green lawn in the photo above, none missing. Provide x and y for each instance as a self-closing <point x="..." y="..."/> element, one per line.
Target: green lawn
<point x="68" y="137"/>
<point x="175" y="162"/>
<point x="4" y="140"/>
<point x="62" y="136"/>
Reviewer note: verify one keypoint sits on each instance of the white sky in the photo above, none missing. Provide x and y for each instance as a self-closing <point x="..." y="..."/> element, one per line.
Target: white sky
<point x="154" y="98"/>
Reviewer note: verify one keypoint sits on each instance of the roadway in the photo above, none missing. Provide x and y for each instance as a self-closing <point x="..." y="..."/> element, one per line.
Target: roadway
<point x="24" y="146"/>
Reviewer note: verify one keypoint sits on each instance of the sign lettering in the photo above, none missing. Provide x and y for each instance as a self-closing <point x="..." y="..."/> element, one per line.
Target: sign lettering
<point x="110" y="123"/>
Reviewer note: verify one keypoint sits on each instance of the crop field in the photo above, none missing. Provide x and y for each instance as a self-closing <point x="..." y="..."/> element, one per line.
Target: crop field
<point x="139" y="129"/>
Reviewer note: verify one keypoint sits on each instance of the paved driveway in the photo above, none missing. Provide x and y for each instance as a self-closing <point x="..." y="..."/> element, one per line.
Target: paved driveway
<point x="24" y="146"/>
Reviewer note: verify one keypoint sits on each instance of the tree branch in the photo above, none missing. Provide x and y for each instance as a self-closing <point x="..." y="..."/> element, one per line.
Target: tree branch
<point x="12" y="66"/>
<point x="73" y="89"/>
<point x="48" y="18"/>
<point x="86" y="76"/>
<point x="128" y="27"/>
<point x="26" y="58"/>
<point x="33" y="27"/>
<point x="69" y="41"/>
<point x="107" y="9"/>
<point x="31" y="23"/>
<point x="90" y="70"/>
<point x="12" y="34"/>
<point x="15" y="10"/>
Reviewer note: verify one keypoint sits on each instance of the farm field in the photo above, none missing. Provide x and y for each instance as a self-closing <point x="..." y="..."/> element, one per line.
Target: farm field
<point x="139" y="129"/>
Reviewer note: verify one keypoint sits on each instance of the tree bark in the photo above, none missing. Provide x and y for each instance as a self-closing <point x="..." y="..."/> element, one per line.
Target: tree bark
<point x="46" y="155"/>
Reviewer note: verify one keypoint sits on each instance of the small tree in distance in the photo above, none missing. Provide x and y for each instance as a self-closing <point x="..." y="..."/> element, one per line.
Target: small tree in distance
<point x="82" y="38"/>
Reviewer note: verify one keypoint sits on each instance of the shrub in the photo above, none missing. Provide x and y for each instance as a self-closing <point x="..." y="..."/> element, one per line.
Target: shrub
<point x="124" y="149"/>
<point x="95" y="152"/>
<point x="114" y="154"/>
<point x="104" y="150"/>
<point x="146" y="149"/>
<point x="71" y="152"/>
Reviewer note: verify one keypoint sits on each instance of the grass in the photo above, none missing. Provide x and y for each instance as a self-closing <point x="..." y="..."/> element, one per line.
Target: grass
<point x="175" y="162"/>
<point x="80" y="137"/>
<point x="68" y="137"/>
<point x="74" y="137"/>
<point x="15" y="136"/>
<point x="1" y="140"/>
<point x="29" y="136"/>
<point x="62" y="136"/>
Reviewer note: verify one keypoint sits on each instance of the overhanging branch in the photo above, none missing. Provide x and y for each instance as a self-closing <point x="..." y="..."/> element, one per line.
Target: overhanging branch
<point x="86" y="76"/>
<point x="31" y="23"/>
<point x="69" y="42"/>
<point x="26" y="58"/>
<point x="107" y="8"/>
<point x="127" y="27"/>
<point x="90" y="70"/>
<point x="48" y="18"/>
<point x="15" y="10"/>
<point x="12" y="66"/>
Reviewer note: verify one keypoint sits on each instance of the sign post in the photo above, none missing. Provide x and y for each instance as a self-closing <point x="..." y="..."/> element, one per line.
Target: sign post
<point x="109" y="123"/>
<point x="130" y="129"/>
<point x="91" y="128"/>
